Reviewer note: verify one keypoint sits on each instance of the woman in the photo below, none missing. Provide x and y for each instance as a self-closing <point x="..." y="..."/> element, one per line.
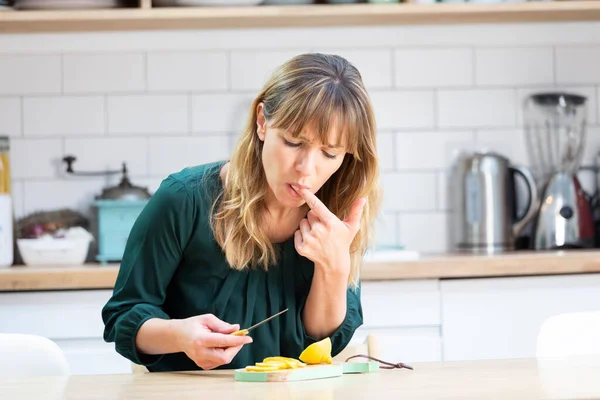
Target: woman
<point x="283" y="224"/>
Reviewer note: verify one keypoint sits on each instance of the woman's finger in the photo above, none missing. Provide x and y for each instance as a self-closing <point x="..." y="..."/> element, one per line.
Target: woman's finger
<point x="217" y="325"/>
<point x="298" y="242"/>
<point x="304" y="228"/>
<point x="312" y="218"/>
<point x="221" y="340"/>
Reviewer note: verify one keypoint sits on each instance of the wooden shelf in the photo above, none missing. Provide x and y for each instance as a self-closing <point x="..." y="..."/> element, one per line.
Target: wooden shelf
<point x="147" y="18"/>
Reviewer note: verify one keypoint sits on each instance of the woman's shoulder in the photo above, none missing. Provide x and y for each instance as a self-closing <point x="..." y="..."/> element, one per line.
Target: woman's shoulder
<point x="200" y="179"/>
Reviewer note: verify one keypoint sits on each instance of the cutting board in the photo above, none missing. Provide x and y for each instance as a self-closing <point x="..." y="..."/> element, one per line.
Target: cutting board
<point x="307" y="373"/>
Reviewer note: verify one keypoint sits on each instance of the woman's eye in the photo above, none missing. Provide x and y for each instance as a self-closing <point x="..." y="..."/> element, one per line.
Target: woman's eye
<point x="331" y="156"/>
<point x="291" y="144"/>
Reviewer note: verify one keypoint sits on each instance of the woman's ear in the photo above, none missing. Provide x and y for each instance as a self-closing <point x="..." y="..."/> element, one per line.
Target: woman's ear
<point x="261" y="122"/>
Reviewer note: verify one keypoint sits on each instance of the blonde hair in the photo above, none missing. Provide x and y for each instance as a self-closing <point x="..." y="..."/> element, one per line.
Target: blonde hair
<point x="308" y="90"/>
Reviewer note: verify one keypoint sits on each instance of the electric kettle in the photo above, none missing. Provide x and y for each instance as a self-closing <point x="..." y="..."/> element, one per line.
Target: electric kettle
<point x="483" y="203"/>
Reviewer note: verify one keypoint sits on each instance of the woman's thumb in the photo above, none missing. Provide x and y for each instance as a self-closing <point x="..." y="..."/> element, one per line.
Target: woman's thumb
<point x="217" y="325"/>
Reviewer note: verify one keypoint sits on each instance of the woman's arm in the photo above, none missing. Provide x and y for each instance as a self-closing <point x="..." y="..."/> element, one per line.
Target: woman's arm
<point x="324" y="239"/>
<point x="157" y="336"/>
<point x="205" y="339"/>
<point x="325" y="307"/>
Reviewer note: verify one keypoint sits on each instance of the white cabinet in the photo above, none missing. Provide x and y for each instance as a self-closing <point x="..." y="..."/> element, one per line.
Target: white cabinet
<point x="501" y="317"/>
<point x="405" y="316"/>
<point x="70" y="318"/>
<point x="405" y="344"/>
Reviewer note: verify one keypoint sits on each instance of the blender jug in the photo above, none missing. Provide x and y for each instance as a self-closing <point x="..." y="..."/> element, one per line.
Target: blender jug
<point x="555" y="128"/>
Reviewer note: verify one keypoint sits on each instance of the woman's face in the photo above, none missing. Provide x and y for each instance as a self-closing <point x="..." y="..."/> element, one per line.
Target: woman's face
<point x="301" y="162"/>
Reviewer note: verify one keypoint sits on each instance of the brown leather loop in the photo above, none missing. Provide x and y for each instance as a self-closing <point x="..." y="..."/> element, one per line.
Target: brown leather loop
<point x="386" y="365"/>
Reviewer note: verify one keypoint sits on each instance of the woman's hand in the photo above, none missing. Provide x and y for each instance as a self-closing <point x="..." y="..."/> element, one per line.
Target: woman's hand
<point x="206" y="340"/>
<point x="323" y="237"/>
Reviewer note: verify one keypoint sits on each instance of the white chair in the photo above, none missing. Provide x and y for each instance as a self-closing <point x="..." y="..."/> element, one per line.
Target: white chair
<point x="569" y="334"/>
<point x="31" y="355"/>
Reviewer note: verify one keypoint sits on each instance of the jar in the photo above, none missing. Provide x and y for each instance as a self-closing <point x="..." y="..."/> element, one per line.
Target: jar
<point x="6" y="209"/>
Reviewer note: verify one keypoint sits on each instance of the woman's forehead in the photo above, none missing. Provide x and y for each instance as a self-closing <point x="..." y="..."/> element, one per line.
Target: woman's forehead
<point x="310" y="133"/>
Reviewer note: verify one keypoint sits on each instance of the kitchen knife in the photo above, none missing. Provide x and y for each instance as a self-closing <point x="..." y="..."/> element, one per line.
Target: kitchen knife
<point x="244" y="332"/>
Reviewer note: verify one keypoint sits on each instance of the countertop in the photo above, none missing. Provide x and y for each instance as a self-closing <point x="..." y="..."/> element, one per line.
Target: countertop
<point x="485" y="379"/>
<point x="443" y="266"/>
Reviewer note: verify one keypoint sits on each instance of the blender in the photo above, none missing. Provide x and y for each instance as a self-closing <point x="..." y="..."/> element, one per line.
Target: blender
<point x="555" y="128"/>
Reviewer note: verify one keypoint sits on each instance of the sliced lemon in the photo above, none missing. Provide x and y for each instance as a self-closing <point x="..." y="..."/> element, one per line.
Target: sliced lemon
<point x="273" y="364"/>
<point x="294" y="364"/>
<point x="278" y="359"/>
<point x="254" y="368"/>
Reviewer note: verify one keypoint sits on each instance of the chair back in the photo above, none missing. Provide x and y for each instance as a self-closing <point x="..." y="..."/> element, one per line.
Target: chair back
<point x="569" y="334"/>
<point x="31" y="355"/>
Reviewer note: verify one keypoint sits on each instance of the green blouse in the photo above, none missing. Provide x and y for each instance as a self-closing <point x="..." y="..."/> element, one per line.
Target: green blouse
<point x="172" y="267"/>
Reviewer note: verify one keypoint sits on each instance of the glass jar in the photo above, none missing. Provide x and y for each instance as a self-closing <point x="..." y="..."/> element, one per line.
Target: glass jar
<point x="6" y="210"/>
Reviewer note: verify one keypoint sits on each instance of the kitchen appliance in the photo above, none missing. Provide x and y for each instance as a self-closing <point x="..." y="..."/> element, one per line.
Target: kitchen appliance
<point x="6" y="209"/>
<point x="117" y="207"/>
<point x="555" y="127"/>
<point x="483" y="202"/>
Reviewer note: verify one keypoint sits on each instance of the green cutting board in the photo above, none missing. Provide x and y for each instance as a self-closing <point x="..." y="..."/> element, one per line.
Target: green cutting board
<point x="307" y="373"/>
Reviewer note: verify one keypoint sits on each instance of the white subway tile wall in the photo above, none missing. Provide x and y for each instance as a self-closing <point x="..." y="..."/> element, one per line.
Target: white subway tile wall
<point x="163" y="101"/>
<point x="108" y="154"/>
<point x="67" y="115"/>
<point x="187" y="71"/>
<point x="10" y="116"/>
<point x="103" y="73"/>
<point x="433" y="68"/>
<point x="514" y="66"/>
<point x="148" y="114"/>
<point x="30" y="74"/>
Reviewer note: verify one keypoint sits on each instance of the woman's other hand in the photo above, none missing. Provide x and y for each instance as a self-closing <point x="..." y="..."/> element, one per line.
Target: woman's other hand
<point x="206" y="340"/>
<point x="323" y="237"/>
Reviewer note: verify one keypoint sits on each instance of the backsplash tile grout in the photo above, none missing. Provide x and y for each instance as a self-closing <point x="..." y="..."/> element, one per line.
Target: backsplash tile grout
<point x="190" y="114"/>
<point x="145" y="66"/>
<point x="22" y="115"/>
<point x="229" y="85"/>
<point x="555" y="66"/>
<point x="474" y="67"/>
<point x="62" y="74"/>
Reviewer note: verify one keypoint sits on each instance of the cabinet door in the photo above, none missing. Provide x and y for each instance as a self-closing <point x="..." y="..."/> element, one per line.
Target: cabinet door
<point x="93" y="356"/>
<point x="392" y="304"/>
<point x="54" y="314"/>
<point x="405" y="318"/>
<point x="404" y="344"/>
<point x="501" y="317"/>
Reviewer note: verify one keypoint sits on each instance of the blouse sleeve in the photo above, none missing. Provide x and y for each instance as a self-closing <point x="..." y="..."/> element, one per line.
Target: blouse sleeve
<point x="152" y="254"/>
<point x="353" y="319"/>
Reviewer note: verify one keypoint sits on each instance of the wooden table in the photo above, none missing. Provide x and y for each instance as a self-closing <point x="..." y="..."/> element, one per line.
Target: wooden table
<point x="489" y="379"/>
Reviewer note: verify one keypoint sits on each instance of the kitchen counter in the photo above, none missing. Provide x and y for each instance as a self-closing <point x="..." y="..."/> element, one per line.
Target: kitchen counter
<point x="443" y="266"/>
<point x="571" y="378"/>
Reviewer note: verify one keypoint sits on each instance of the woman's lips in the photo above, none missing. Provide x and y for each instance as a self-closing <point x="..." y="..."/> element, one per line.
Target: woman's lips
<point x="292" y="191"/>
<point x="294" y="187"/>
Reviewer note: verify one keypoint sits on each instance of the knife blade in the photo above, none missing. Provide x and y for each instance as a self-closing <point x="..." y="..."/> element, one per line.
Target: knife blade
<point x="244" y="332"/>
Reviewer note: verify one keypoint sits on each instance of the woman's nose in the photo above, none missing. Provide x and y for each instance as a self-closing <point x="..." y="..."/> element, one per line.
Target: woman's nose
<point x="305" y="163"/>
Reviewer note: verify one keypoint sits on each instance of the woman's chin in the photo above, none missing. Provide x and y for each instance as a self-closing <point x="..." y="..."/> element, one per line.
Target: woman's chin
<point x="288" y="200"/>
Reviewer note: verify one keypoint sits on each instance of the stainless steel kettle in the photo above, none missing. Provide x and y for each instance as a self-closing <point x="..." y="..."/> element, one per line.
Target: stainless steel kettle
<point x="483" y="202"/>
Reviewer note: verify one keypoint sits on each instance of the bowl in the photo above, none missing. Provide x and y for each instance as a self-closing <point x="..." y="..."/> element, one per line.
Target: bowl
<point x="53" y="251"/>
